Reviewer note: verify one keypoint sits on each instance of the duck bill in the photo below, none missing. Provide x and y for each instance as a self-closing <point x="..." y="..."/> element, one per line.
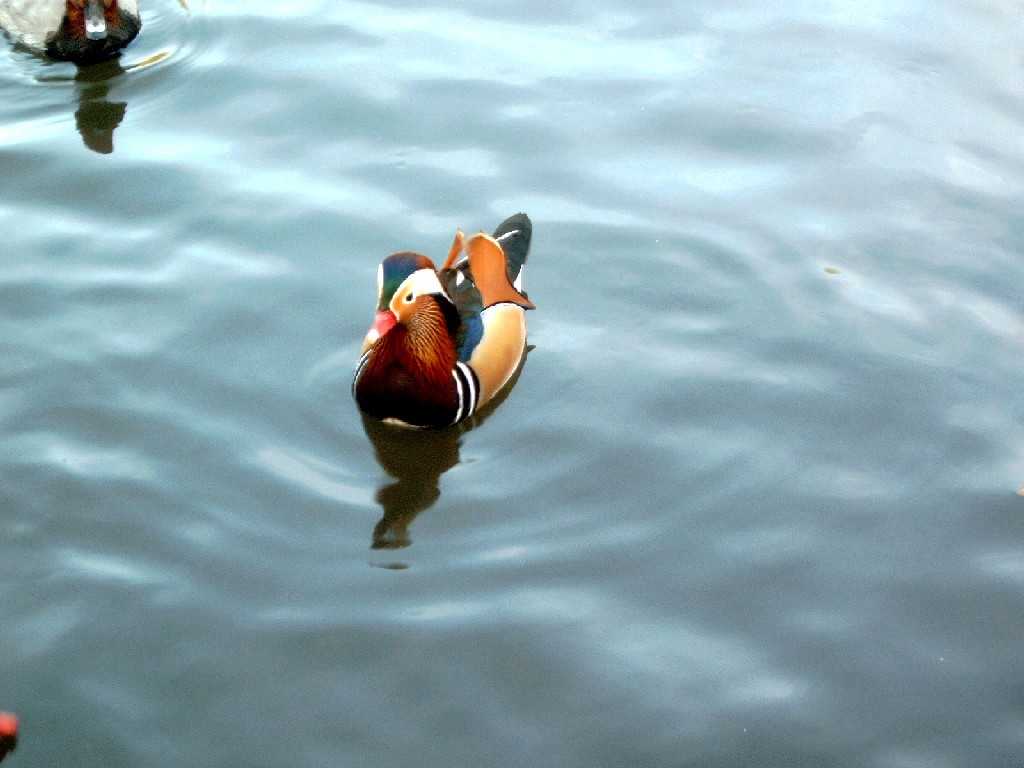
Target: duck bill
<point x="95" y="20"/>
<point x="383" y="322"/>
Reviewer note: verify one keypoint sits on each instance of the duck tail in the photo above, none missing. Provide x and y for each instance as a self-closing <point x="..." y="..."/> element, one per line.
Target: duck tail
<point x="513" y="235"/>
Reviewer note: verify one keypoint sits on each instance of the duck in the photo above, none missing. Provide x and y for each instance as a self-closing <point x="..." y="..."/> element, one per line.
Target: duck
<point x="445" y="341"/>
<point x="80" y="31"/>
<point x="8" y="733"/>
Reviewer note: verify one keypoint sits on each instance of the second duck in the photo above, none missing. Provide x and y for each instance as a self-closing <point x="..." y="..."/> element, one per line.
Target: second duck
<point x="80" y="31"/>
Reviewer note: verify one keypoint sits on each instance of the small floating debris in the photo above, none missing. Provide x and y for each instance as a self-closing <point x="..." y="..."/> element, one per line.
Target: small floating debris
<point x="1020" y="491"/>
<point x="832" y="271"/>
<point x="156" y="58"/>
<point x="393" y="566"/>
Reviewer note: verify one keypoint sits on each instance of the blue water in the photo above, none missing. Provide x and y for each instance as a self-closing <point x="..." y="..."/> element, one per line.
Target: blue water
<point x="753" y="500"/>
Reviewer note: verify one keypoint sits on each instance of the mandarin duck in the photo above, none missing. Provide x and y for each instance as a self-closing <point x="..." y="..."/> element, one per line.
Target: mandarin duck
<point x="444" y="342"/>
<point x="81" y="31"/>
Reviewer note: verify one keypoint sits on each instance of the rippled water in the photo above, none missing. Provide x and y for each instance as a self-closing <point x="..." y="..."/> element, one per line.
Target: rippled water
<point x="752" y="501"/>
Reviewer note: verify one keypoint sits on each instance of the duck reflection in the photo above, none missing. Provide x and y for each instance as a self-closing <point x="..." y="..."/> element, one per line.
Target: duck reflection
<point x="97" y="116"/>
<point x="416" y="459"/>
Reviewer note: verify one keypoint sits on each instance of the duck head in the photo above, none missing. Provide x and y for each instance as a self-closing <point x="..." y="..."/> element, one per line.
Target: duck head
<point x="94" y="30"/>
<point x="409" y="294"/>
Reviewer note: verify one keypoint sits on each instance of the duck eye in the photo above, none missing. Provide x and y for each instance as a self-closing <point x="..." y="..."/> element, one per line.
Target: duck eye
<point x="409" y="297"/>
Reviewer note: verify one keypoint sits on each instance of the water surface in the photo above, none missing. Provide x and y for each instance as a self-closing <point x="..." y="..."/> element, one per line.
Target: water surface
<point x="752" y="501"/>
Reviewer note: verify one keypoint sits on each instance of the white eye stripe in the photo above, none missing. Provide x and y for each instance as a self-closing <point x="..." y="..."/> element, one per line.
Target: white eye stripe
<point x="422" y="282"/>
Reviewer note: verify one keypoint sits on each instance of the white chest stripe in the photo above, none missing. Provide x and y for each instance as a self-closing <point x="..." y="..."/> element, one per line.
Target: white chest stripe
<point x="468" y="387"/>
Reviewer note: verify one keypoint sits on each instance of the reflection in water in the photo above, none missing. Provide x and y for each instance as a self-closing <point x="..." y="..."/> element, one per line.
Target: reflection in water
<point x="416" y="459"/>
<point x="96" y="116"/>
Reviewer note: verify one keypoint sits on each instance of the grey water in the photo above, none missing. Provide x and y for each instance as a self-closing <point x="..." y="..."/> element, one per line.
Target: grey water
<point x="752" y="501"/>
